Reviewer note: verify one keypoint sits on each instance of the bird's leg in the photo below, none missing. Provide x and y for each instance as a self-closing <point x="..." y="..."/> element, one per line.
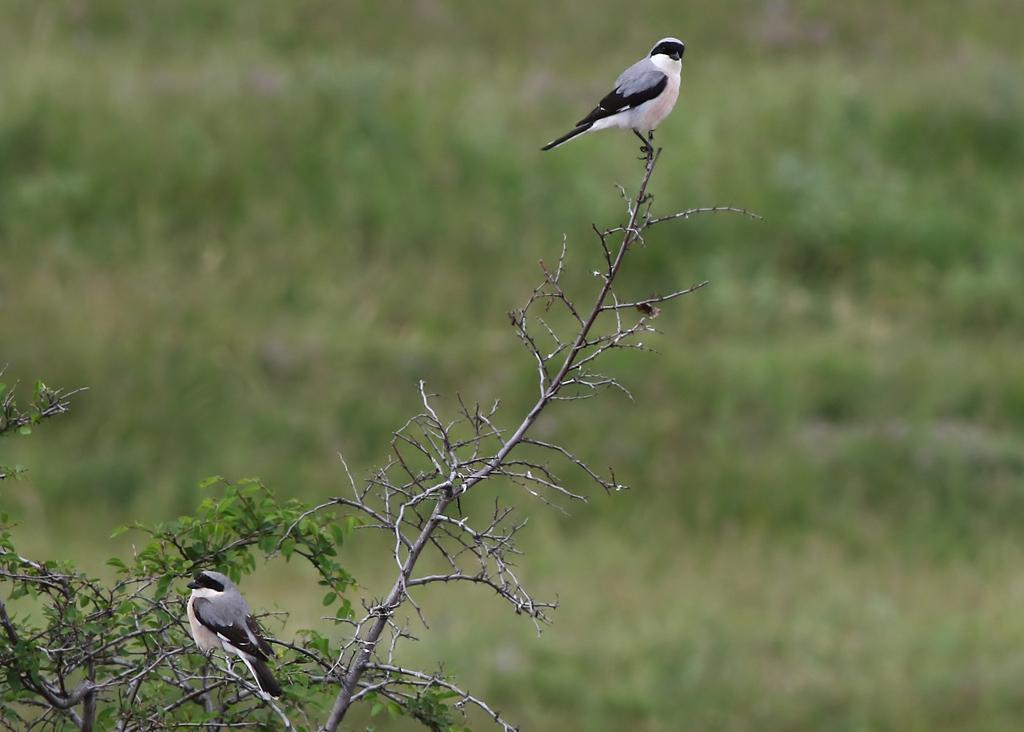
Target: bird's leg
<point x="208" y="657"/>
<point x="646" y="150"/>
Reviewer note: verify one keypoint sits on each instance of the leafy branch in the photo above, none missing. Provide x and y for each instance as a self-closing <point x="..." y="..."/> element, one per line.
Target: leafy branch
<point x="127" y="642"/>
<point x="14" y="419"/>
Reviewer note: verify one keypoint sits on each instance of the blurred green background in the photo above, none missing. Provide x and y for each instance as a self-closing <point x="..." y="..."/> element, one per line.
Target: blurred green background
<point x="250" y="228"/>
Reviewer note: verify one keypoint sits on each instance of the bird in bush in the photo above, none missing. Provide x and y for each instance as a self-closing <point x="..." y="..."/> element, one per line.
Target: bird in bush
<point x="643" y="96"/>
<point x="220" y="619"/>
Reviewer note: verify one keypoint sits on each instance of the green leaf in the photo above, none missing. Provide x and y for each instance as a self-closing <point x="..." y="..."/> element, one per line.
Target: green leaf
<point x="321" y="644"/>
<point x="338" y="533"/>
<point x="329" y="598"/>
<point x="162" y="585"/>
<point x="288" y="548"/>
<point x="25" y="430"/>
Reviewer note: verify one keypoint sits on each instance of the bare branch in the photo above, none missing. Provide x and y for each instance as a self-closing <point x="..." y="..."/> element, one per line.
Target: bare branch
<point x="690" y="212"/>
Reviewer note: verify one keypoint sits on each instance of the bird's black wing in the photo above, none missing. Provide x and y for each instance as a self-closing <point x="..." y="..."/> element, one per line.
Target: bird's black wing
<point x="242" y="637"/>
<point x="257" y="632"/>
<point x="627" y="96"/>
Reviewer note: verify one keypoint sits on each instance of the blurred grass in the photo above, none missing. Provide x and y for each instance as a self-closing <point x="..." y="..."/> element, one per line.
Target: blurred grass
<point x="250" y="228"/>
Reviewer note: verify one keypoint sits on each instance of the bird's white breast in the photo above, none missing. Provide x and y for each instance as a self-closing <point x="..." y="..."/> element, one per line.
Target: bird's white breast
<point x="206" y="639"/>
<point x="652" y="113"/>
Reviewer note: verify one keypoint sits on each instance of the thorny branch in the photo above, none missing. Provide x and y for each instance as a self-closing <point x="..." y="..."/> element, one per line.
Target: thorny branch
<point x="415" y="498"/>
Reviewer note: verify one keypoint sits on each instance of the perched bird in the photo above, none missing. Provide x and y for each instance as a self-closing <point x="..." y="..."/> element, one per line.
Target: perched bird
<point x="220" y="618"/>
<point x="643" y="96"/>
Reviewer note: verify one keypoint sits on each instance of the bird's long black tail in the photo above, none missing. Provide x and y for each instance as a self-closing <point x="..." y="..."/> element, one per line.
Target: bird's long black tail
<point x="578" y="130"/>
<point x="264" y="678"/>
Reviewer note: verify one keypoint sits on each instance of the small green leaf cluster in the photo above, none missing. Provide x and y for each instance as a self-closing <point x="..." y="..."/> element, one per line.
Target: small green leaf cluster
<point x="14" y="419"/>
<point x="430" y="707"/>
<point x="228" y="532"/>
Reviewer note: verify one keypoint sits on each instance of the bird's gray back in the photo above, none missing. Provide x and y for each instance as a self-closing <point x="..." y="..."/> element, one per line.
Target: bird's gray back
<point x="641" y="75"/>
<point x="228" y="609"/>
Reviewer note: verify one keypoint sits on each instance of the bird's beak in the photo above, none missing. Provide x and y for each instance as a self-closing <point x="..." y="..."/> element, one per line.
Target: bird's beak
<point x="192" y="585"/>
